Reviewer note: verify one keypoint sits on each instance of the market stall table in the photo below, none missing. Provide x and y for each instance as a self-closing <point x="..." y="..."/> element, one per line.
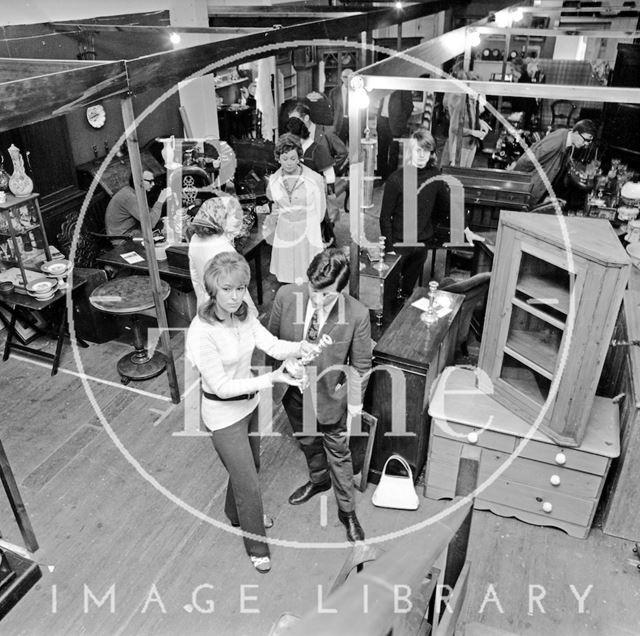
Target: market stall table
<point x="250" y="247"/>
<point x="19" y="306"/>
<point x="131" y="296"/>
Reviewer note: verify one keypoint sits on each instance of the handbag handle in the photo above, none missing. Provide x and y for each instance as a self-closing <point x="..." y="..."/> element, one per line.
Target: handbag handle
<point x="403" y="461"/>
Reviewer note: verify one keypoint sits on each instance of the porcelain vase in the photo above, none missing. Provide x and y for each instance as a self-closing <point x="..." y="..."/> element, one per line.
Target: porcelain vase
<point x="20" y="183"/>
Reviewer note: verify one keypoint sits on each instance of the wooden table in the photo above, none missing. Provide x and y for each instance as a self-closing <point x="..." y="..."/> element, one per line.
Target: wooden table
<point x="413" y="354"/>
<point x="18" y="305"/>
<point x="250" y="247"/>
<point x="129" y="296"/>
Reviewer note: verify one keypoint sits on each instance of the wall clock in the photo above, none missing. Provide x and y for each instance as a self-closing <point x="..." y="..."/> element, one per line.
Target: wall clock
<point x="96" y="115"/>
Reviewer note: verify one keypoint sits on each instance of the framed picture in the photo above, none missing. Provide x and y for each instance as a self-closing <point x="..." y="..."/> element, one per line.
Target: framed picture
<point x="304" y="57"/>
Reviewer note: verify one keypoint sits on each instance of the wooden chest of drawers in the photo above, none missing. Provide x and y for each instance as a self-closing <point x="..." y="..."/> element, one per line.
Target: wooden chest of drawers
<point x="523" y="473"/>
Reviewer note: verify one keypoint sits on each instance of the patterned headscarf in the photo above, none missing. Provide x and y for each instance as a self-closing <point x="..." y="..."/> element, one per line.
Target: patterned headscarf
<point x="213" y="213"/>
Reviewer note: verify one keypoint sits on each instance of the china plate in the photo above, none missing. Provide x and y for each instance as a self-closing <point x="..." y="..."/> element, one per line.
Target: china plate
<point x="41" y="286"/>
<point x="55" y="268"/>
<point x="47" y="297"/>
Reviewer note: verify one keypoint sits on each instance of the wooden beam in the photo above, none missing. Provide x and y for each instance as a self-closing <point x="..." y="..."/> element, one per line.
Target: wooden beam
<point x="605" y="94"/>
<point x="167" y="68"/>
<point x="12" y="69"/>
<point x="131" y="131"/>
<point x="75" y="27"/>
<point x="35" y="99"/>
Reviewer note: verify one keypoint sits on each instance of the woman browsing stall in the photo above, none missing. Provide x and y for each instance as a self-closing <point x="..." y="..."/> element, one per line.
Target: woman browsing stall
<point x="298" y="197"/>
<point x="220" y="343"/>
<point x="215" y="226"/>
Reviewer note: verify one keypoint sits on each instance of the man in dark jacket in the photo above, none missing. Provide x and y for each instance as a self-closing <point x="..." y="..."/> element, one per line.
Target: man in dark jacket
<point x="392" y="122"/>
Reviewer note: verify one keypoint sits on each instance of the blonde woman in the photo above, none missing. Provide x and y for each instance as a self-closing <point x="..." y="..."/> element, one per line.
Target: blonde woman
<point x="220" y="343"/>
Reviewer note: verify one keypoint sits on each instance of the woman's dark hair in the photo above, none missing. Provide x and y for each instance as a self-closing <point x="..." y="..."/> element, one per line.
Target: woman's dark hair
<point x="296" y="126"/>
<point x="327" y="268"/>
<point x="229" y="263"/>
<point x="287" y="143"/>
<point x="301" y="108"/>
<point x="425" y="140"/>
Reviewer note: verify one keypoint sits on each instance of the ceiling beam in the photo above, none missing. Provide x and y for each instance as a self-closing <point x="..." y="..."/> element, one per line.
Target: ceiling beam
<point x="167" y="68"/>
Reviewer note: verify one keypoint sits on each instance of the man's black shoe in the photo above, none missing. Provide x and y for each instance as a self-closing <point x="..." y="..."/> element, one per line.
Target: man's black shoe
<point x="304" y="493"/>
<point x="351" y="523"/>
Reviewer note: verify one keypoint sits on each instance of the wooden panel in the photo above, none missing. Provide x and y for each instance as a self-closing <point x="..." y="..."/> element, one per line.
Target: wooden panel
<point x="575" y="459"/>
<point x="486" y="439"/>
<point x="36" y="99"/>
<point x="622" y="497"/>
<point x="538" y="475"/>
<point x="522" y="497"/>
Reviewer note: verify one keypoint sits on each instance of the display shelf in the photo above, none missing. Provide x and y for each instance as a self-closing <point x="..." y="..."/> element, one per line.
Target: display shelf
<point x="530" y="320"/>
<point x="545" y="291"/>
<point x="532" y="351"/>
<point x="534" y="311"/>
<point x="20" y="245"/>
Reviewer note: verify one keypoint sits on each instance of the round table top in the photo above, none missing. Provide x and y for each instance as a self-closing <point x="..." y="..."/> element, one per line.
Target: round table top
<point x="126" y="295"/>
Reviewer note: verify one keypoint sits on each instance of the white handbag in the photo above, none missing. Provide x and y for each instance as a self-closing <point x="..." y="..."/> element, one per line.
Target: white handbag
<point x="395" y="491"/>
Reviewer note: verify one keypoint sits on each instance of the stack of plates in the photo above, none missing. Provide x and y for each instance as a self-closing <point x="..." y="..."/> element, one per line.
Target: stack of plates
<point x="42" y="288"/>
<point x="57" y="268"/>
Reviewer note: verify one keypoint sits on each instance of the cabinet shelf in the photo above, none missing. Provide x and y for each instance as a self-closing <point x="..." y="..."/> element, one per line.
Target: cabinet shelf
<point x="23" y="230"/>
<point x="533" y="352"/>
<point x="533" y="386"/>
<point x="559" y="324"/>
<point x="543" y="290"/>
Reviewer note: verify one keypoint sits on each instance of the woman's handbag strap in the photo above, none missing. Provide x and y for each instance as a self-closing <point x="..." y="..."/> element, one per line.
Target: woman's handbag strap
<point x="403" y="461"/>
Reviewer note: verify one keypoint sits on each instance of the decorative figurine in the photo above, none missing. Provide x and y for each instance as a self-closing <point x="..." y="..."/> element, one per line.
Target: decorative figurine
<point x="20" y="183"/>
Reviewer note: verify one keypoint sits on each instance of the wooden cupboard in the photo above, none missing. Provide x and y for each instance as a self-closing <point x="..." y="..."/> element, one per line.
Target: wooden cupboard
<point x="523" y="473"/>
<point x="406" y="361"/>
<point x="556" y="287"/>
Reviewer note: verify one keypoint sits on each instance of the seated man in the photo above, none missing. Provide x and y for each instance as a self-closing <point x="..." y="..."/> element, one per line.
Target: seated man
<point x="122" y="217"/>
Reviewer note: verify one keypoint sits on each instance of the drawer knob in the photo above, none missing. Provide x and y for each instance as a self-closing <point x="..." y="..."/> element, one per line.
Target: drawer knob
<point x="555" y="480"/>
<point x="547" y="506"/>
<point x="472" y="437"/>
<point x="561" y="458"/>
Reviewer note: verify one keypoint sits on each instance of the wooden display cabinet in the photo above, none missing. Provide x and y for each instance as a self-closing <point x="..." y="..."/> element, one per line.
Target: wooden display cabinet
<point x="550" y="316"/>
<point x="23" y="241"/>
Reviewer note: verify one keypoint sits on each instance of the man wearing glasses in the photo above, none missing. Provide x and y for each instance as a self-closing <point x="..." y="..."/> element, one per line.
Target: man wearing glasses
<point x="554" y="154"/>
<point x="316" y="311"/>
<point x="122" y="217"/>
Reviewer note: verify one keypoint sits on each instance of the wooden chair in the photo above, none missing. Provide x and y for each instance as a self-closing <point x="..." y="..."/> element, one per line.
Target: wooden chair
<point x="92" y="238"/>
<point x="475" y="290"/>
<point x="561" y="112"/>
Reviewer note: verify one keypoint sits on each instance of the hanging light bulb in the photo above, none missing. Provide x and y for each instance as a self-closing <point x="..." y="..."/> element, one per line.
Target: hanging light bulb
<point x="502" y="19"/>
<point x="517" y="15"/>
<point x="361" y="97"/>
<point x="474" y="37"/>
<point x="174" y="37"/>
<point x="399" y="6"/>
